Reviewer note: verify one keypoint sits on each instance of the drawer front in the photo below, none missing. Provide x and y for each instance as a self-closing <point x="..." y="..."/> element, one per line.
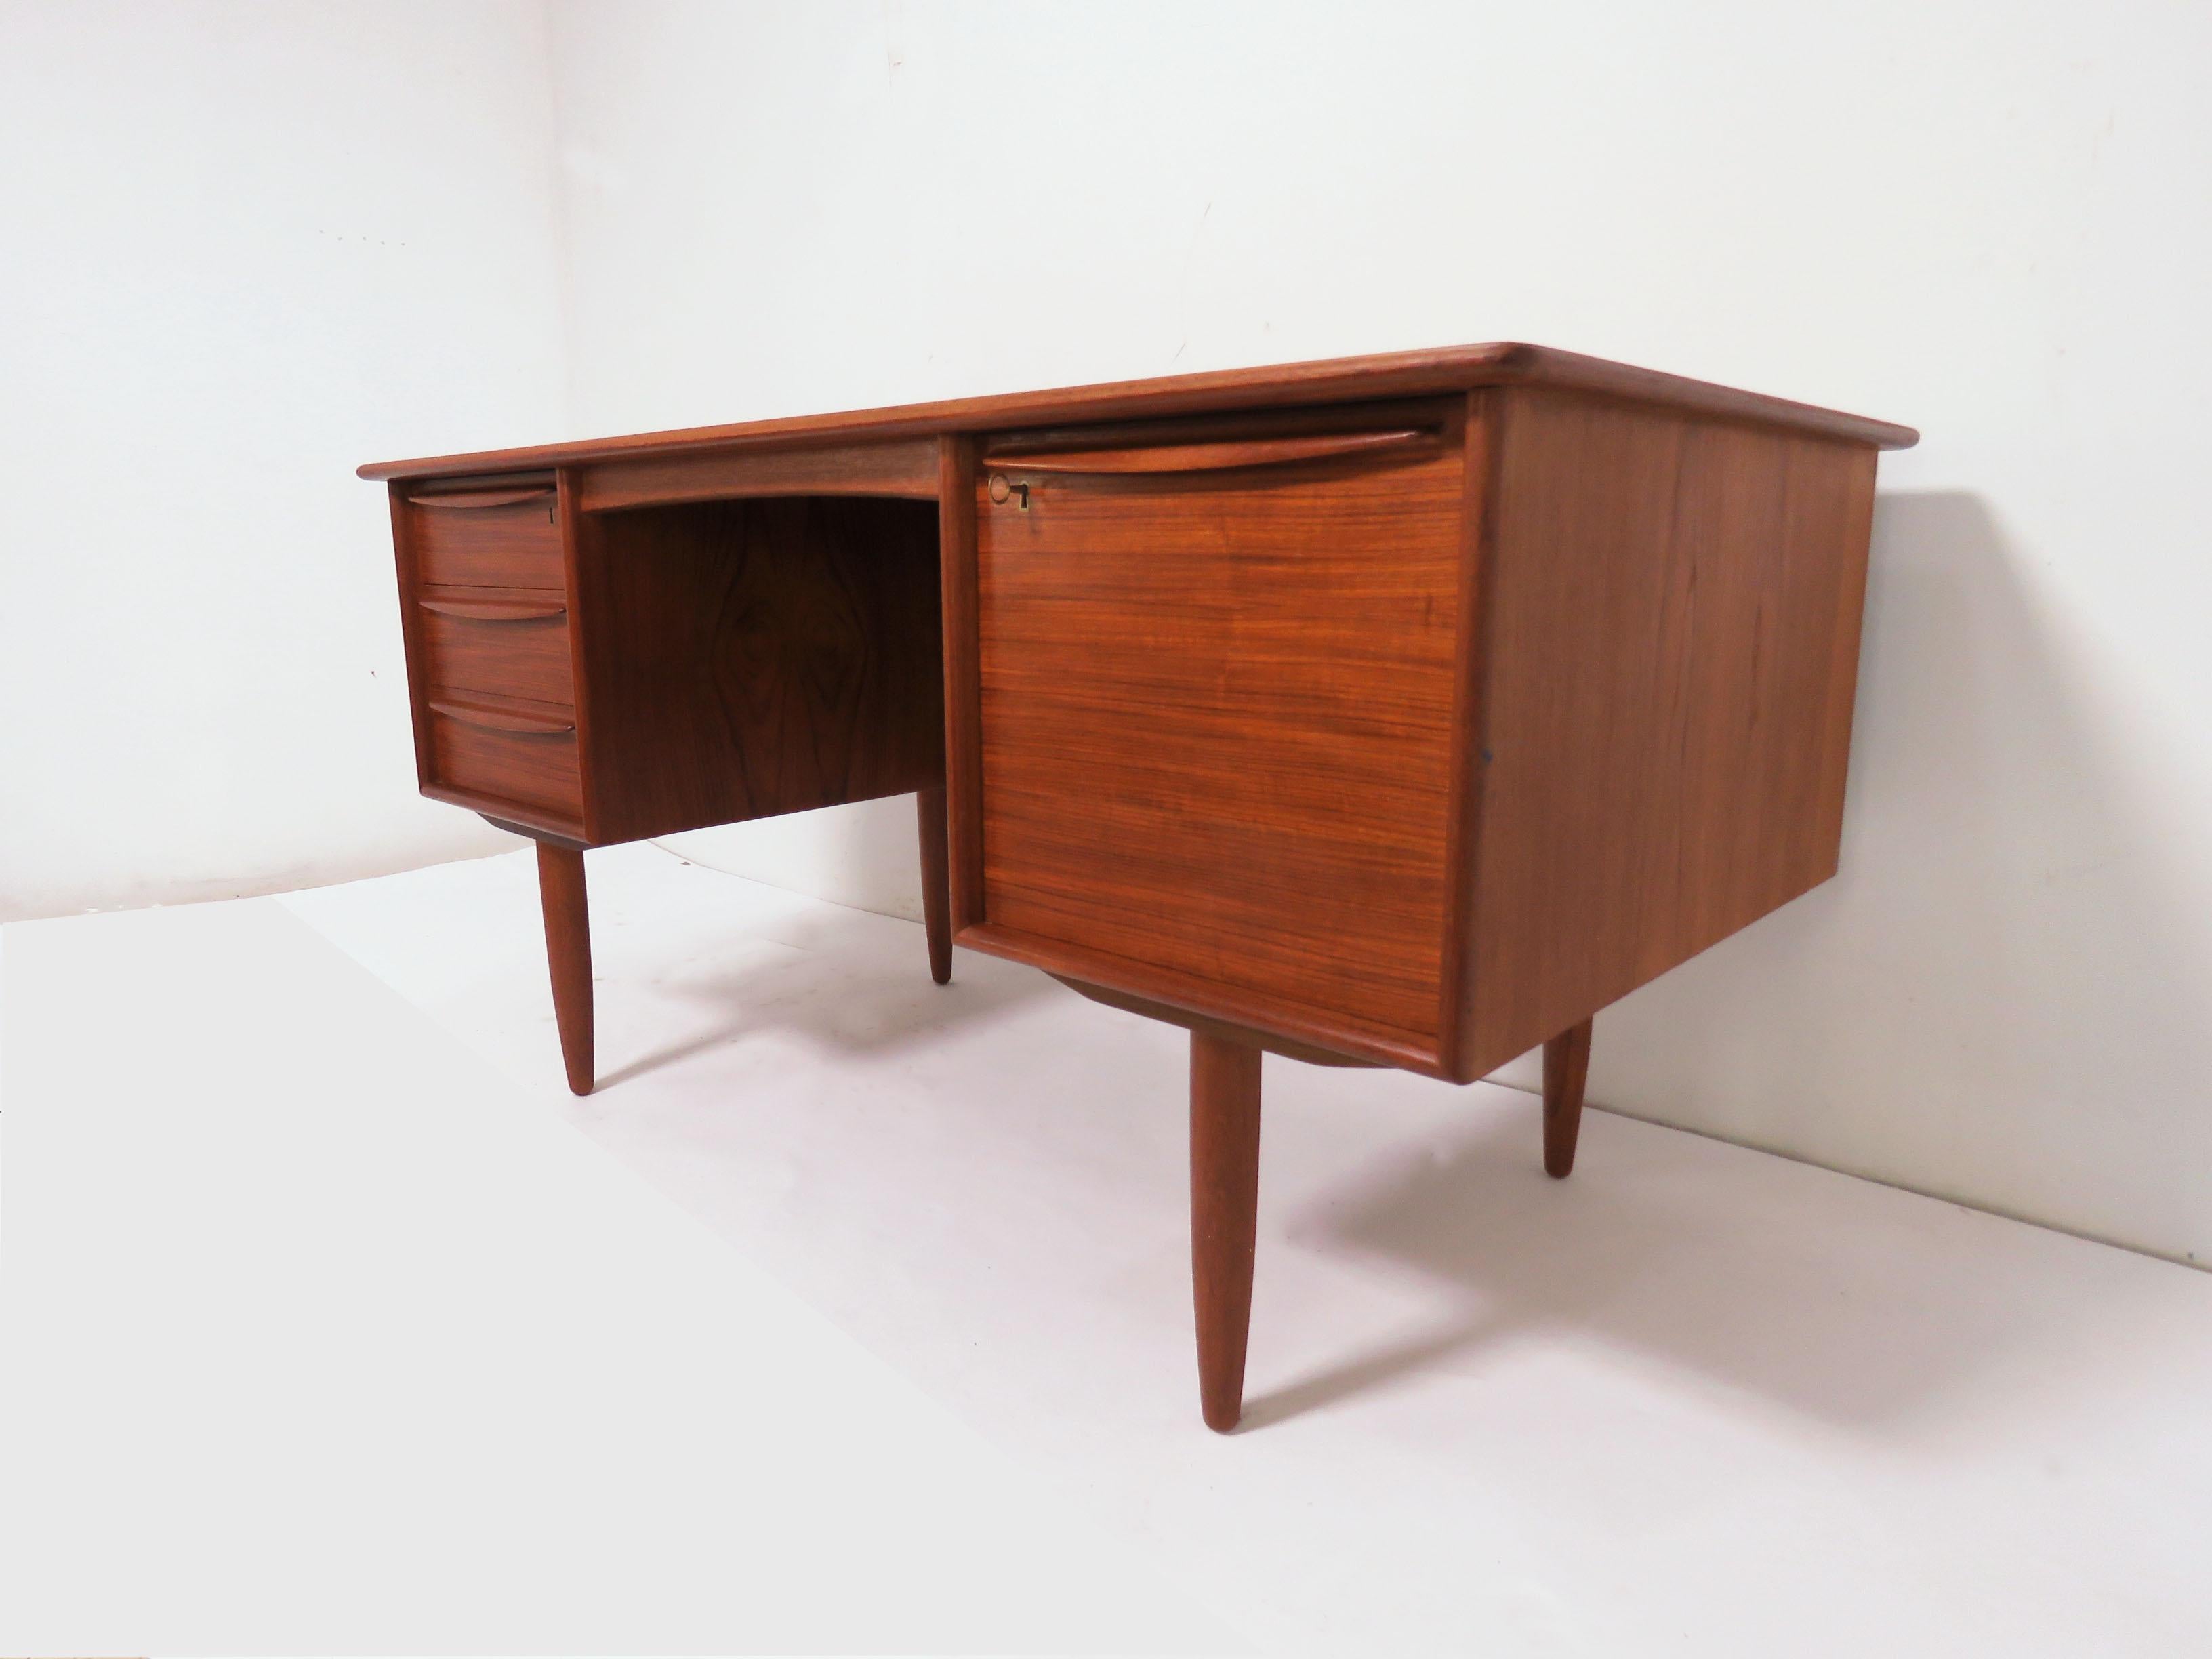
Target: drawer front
<point x="507" y="752"/>
<point x="1217" y="682"/>
<point x="503" y="536"/>
<point x="502" y="642"/>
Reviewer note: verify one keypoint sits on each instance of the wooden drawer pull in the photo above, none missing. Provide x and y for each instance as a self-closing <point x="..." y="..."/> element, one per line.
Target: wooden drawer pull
<point x="482" y="498"/>
<point x="1216" y="458"/>
<point x="497" y="609"/>
<point x="501" y="718"/>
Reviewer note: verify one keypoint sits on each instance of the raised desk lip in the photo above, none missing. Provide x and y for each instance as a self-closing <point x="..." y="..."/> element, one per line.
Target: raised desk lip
<point x="1338" y="380"/>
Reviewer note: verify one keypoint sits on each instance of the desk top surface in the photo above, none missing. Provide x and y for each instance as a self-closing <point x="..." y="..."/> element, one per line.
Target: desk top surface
<point x="1339" y="379"/>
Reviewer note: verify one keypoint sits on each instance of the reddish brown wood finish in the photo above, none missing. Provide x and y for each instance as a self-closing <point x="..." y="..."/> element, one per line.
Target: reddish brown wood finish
<point x="504" y="714"/>
<point x="1684" y="655"/>
<point x="477" y="500"/>
<point x="522" y="607"/>
<point x="1478" y="528"/>
<point x="1670" y="653"/>
<point x="963" y="744"/>
<point x="1344" y="380"/>
<point x="519" y="653"/>
<point x="1222" y="1030"/>
<point x="1567" y="1067"/>
<point x="527" y="773"/>
<point x="1215" y="715"/>
<point x="1224" y="1200"/>
<point x="502" y="538"/>
<point x="1205" y="998"/>
<point x="1401" y="710"/>
<point x="752" y="658"/>
<point x="936" y="901"/>
<point x="748" y="657"/>
<point x="1225" y="457"/>
<point x="530" y="832"/>
<point x="573" y="526"/>
<point x="568" y="957"/>
<point x="411" y="631"/>
<point x="907" y="468"/>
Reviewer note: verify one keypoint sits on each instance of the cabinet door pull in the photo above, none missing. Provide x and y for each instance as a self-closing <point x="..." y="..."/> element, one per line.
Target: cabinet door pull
<point x="1218" y="457"/>
<point x="478" y="499"/>
<point x="498" y="717"/>
<point x="497" y="609"/>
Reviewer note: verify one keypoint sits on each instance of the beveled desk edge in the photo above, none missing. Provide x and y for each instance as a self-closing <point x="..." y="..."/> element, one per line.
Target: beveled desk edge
<point x="1403" y="373"/>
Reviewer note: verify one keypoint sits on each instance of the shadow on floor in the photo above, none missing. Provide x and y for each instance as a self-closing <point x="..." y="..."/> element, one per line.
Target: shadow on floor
<point x="846" y="981"/>
<point x="1854" y="1304"/>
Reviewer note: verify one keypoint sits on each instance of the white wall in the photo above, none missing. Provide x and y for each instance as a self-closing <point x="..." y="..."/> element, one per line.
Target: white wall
<point x="243" y="248"/>
<point x="1984" y="219"/>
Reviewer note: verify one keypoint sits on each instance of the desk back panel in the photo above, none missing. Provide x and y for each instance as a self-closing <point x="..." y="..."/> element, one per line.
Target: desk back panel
<point x="742" y="659"/>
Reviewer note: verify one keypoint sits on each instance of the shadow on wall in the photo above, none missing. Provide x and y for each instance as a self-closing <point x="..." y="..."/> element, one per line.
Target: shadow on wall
<point x="2002" y="997"/>
<point x="862" y="855"/>
<point x="1874" y="1311"/>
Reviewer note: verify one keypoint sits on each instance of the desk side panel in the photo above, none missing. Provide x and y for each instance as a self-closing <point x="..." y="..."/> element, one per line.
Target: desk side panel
<point x="410" y="630"/>
<point x="1672" y="623"/>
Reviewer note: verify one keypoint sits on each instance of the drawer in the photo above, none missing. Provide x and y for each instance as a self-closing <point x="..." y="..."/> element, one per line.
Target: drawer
<point x="1216" y="679"/>
<point x="509" y="642"/>
<point x="506" y="750"/>
<point x="506" y="535"/>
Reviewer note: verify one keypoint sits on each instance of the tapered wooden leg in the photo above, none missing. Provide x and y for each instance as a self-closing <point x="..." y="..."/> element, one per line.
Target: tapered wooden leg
<point x="568" y="955"/>
<point x="1566" y="1065"/>
<point x="936" y="889"/>
<point x="1224" y="1196"/>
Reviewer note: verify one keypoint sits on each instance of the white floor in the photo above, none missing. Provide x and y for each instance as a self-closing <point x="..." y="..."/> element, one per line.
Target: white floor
<point x="321" y="1329"/>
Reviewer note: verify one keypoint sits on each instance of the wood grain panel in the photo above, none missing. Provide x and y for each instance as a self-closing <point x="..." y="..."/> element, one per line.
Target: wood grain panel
<point x="908" y="468"/>
<point x="1215" y="722"/>
<point x="515" y="544"/>
<point x="529" y="768"/>
<point x="574" y="524"/>
<point x="755" y="657"/>
<point x="520" y="656"/>
<point x="1672" y="612"/>
<point x="410" y="630"/>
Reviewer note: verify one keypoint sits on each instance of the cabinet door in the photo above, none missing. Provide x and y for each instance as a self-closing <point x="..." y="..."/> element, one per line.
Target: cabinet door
<point x="1216" y="675"/>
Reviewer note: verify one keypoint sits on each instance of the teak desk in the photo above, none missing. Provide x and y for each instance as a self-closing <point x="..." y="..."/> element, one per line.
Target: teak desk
<point x="1393" y="711"/>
